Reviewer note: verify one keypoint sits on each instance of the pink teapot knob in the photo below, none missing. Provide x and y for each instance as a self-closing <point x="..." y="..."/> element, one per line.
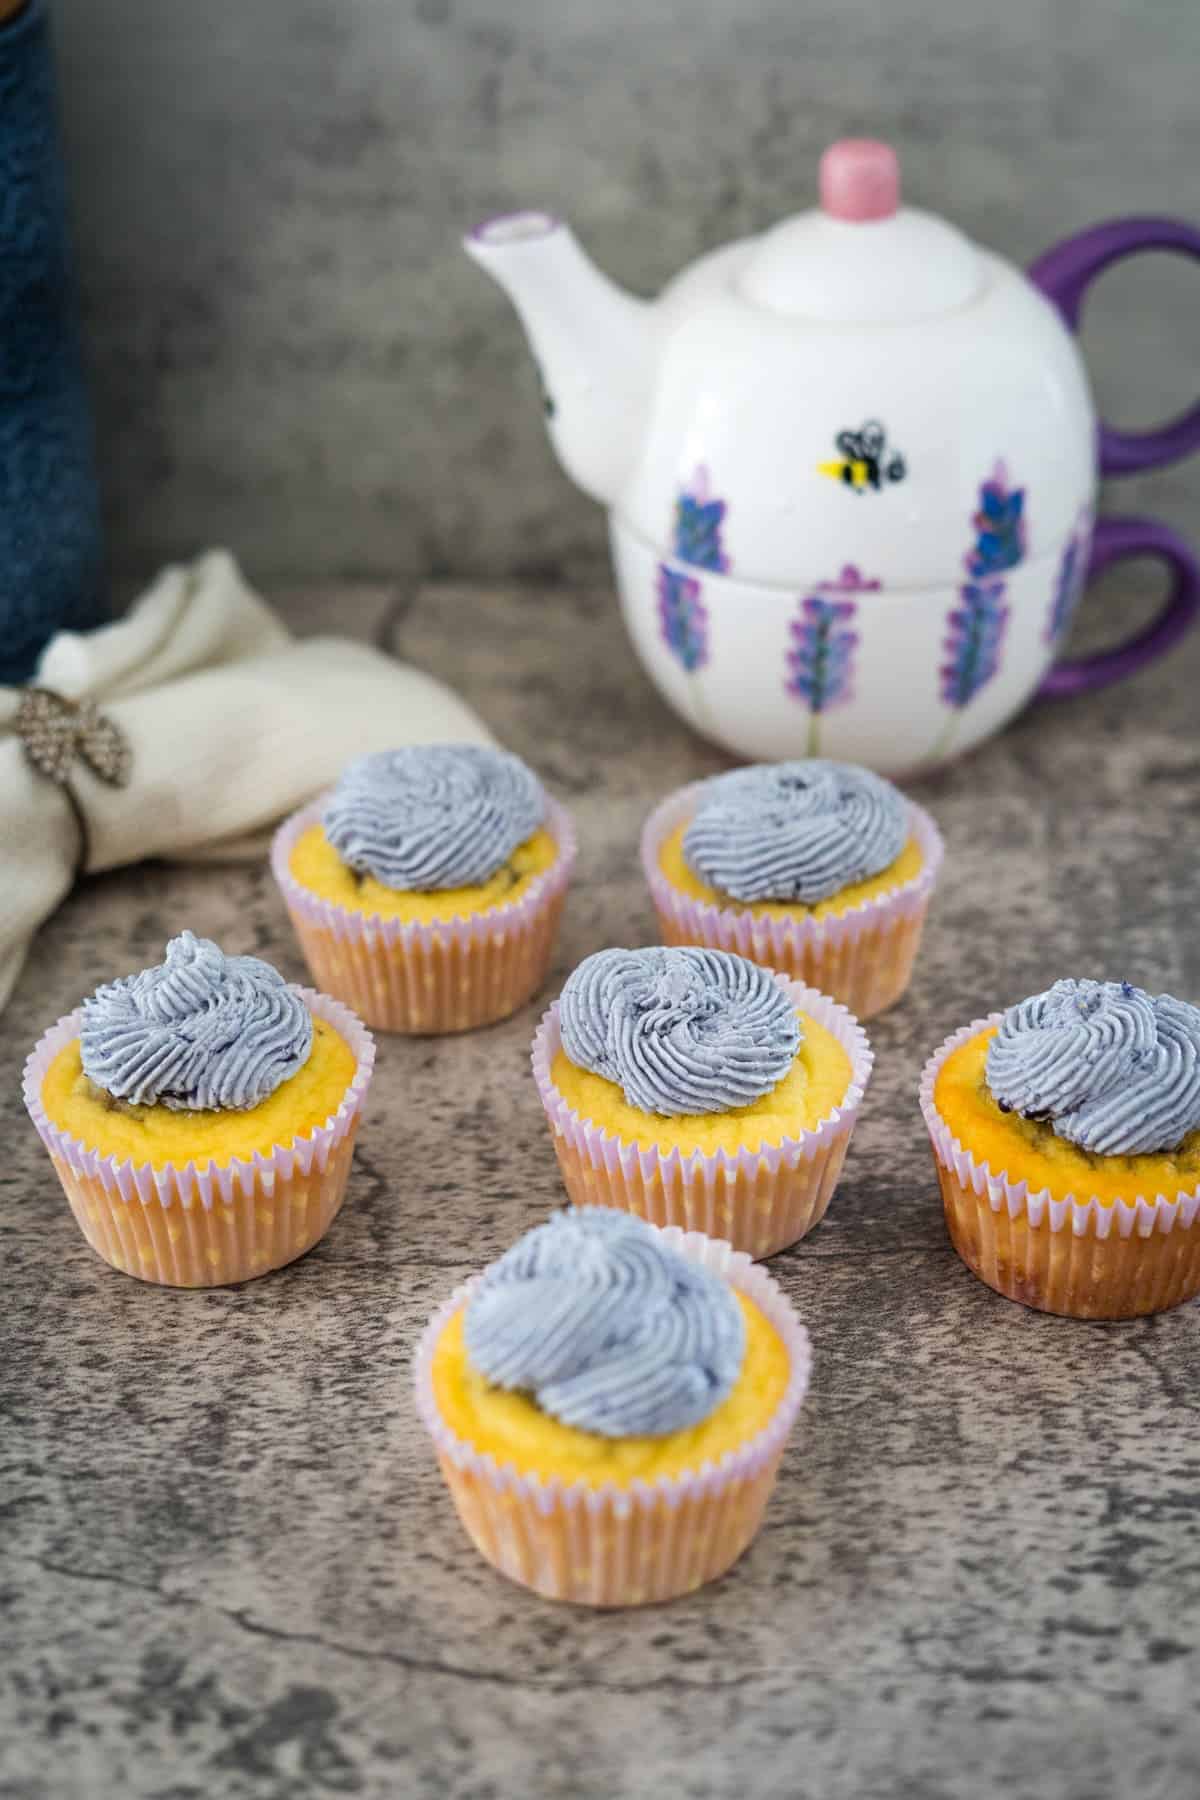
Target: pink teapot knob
<point x="860" y="180"/>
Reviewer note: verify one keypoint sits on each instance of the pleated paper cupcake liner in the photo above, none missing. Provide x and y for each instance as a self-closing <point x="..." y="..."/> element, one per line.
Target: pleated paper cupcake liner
<point x="863" y="957"/>
<point x="761" y="1199"/>
<point x="622" y="1546"/>
<point x="208" y="1224"/>
<point x="455" y="975"/>
<point x="1079" y="1256"/>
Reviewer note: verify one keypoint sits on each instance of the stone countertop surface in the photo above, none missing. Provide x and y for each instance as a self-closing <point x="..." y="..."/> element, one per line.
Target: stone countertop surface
<point x="229" y="1565"/>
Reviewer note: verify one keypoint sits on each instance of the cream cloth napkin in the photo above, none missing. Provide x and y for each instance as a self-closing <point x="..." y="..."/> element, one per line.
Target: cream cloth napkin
<point x="231" y="723"/>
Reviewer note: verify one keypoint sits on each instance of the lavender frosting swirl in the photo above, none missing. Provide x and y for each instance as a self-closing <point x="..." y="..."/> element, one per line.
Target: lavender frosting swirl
<point x="201" y="1030"/>
<point x="1113" y="1069"/>
<point x="795" y="831"/>
<point x="679" y="1030"/>
<point x="433" y="815"/>
<point x="606" y="1327"/>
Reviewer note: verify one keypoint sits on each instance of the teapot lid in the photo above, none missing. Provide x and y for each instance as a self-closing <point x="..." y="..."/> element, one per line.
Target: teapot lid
<point x="861" y="258"/>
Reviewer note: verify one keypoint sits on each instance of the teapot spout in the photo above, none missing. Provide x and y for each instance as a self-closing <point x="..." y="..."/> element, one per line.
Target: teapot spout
<point x="594" y="344"/>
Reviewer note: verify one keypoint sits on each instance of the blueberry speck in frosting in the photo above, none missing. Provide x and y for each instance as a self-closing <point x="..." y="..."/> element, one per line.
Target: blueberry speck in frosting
<point x="433" y="816"/>
<point x="680" y="1031"/>
<point x="1111" y="1068"/>
<point x="606" y="1327"/>
<point x="200" y="1031"/>
<point x="794" y="831"/>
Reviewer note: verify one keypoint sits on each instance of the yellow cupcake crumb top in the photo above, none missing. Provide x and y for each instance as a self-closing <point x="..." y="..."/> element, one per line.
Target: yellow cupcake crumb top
<point x="679" y="873"/>
<point x="316" y="865"/>
<point x="158" y="1135"/>
<point x="516" y="1432"/>
<point x="813" y="1087"/>
<point x="1029" y="1150"/>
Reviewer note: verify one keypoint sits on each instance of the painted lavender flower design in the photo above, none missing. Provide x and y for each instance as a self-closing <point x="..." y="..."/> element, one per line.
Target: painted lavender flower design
<point x="696" y="540"/>
<point x="682" y="617"/>
<point x="698" y="522"/>
<point x="974" y="638"/>
<point x="999" y="527"/>
<point x="1068" y="584"/>
<point x="976" y="628"/>
<point x="821" y="649"/>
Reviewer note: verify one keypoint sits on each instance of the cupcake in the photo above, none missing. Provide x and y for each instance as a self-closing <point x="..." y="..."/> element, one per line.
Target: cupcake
<point x="609" y="1404"/>
<point x="698" y="1089"/>
<point x="427" y="887"/>
<point x="819" y="869"/>
<point x="1066" y="1133"/>
<point x="201" y="1115"/>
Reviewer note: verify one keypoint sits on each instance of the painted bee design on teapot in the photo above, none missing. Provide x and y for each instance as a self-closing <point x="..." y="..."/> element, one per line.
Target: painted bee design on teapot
<point x="865" y="461"/>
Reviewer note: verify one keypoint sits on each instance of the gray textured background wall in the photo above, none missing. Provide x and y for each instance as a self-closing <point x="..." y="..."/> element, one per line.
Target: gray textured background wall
<point x="292" y="356"/>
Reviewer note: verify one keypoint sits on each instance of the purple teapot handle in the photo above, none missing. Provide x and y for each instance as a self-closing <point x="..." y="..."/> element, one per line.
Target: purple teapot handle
<point x="1113" y="541"/>
<point x="1064" y="274"/>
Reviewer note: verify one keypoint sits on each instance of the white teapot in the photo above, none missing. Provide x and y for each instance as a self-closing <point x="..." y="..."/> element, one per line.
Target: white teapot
<point x="850" y="467"/>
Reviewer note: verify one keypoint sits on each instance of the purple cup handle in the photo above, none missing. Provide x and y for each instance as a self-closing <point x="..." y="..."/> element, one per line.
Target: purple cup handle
<point x="1064" y="274"/>
<point x="1112" y="542"/>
